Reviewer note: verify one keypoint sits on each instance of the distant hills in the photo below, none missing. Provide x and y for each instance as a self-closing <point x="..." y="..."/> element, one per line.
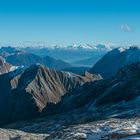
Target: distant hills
<point x="73" y="54"/>
<point x="18" y="57"/>
<point x="58" y="57"/>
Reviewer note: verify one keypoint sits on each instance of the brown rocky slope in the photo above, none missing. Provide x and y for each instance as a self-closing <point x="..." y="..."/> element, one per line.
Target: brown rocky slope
<point x="24" y="95"/>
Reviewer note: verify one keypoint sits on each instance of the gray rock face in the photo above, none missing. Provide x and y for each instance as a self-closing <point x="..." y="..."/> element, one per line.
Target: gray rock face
<point x="24" y="95"/>
<point x="108" y="65"/>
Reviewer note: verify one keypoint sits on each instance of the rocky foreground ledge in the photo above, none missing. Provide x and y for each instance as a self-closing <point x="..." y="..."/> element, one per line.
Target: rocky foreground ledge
<point x="114" y="129"/>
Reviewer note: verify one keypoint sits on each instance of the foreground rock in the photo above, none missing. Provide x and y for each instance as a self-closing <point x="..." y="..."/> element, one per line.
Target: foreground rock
<point x="99" y="130"/>
<point x="9" y="134"/>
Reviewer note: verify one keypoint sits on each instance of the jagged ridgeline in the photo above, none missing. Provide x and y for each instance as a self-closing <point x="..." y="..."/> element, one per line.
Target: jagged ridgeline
<point x="27" y="92"/>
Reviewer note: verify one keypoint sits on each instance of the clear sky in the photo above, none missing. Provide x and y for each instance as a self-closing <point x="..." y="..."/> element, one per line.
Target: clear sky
<point x="70" y="21"/>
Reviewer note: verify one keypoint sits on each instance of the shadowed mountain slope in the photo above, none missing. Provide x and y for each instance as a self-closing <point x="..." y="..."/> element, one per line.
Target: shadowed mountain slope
<point x="118" y="96"/>
<point x="24" y="95"/>
<point x="109" y="64"/>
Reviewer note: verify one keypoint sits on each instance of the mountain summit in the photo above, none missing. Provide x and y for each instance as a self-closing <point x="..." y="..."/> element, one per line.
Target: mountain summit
<point x="109" y="64"/>
<point x="25" y="94"/>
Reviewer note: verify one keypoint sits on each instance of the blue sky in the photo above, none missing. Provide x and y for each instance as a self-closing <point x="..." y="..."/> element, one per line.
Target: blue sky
<point x="69" y="21"/>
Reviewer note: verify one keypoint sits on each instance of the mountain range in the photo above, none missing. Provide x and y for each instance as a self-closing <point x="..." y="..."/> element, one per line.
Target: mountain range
<point x="100" y="109"/>
<point x="101" y="103"/>
<point x="117" y="97"/>
<point x="76" y="114"/>
<point x="18" y="57"/>
<point x="110" y="63"/>
<point x="73" y="54"/>
<point x="25" y="93"/>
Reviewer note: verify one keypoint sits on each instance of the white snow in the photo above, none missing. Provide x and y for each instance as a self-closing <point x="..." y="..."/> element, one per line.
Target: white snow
<point x="121" y="50"/>
<point x="13" y="68"/>
<point x="69" y="74"/>
<point x="76" y="46"/>
<point x="80" y="135"/>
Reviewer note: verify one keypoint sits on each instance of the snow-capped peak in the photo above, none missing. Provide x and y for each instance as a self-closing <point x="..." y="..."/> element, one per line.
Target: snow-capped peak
<point x="121" y="49"/>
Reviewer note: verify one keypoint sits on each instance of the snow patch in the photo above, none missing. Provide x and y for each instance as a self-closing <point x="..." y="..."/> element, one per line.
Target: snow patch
<point x="80" y="135"/>
<point x="13" y="68"/>
<point x="121" y="50"/>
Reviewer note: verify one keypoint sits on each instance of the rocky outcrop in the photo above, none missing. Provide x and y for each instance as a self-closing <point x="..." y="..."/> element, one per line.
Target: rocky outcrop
<point x="25" y="94"/>
<point x="5" y="67"/>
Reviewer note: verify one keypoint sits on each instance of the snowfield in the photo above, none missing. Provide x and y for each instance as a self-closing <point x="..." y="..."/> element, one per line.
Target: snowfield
<point x="55" y="129"/>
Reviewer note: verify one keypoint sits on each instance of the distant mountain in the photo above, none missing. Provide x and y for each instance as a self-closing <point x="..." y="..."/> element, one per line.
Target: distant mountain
<point x="25" y="94"/>
<point x="99" y="51"/>
<point x="19" y="57"/>
<point x="98" y="47"/>
<point x="109" y="64"/>
<point x="6" y="51"/>
<point x="23" y="58"/>
<point x="77" y="55"/>
<point x="70" y="53"/>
